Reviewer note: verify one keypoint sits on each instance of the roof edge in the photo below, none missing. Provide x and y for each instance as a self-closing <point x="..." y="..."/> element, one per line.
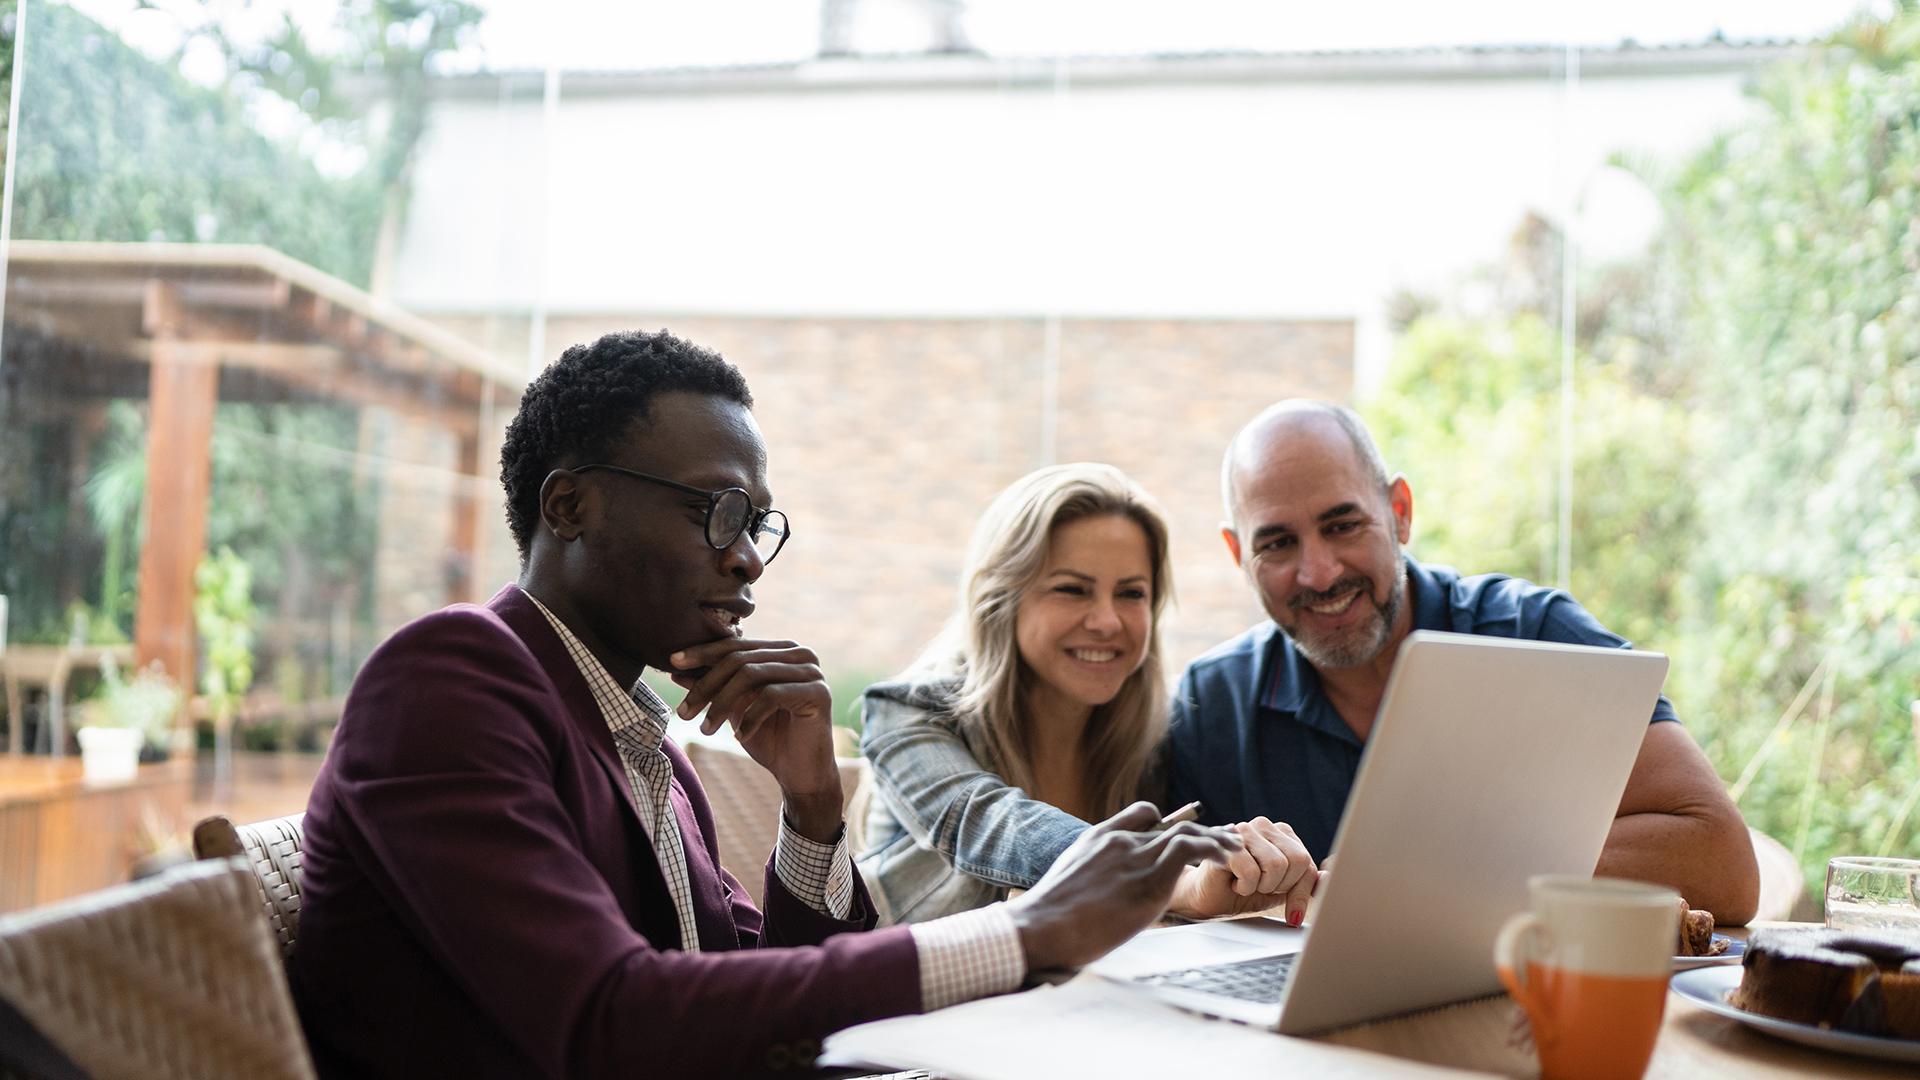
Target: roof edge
<point x="182" y="255"/>
<point x="973" y="69"/>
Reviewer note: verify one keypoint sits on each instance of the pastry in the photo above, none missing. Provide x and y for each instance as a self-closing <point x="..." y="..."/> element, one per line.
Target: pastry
<point x="1865" y="982"/>
<point x="1696" y="934"/>
<point x="1794" y="976"/>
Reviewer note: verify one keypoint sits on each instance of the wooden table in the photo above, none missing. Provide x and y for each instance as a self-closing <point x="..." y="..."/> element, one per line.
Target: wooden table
<point x="60" y="836"/>
<point x="1693" y="1042"/>
<point x="1475" y="1038"/>
<point x="48" y="667"/>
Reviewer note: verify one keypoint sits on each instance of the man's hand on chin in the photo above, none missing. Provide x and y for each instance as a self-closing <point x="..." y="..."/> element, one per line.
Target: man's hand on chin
<point x="776" y="698"/>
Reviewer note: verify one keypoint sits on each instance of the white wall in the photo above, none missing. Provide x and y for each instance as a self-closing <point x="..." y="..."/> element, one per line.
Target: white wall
<point x="1205" y="199"/>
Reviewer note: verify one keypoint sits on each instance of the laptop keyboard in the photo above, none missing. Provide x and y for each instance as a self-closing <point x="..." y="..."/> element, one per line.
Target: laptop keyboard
<point x="1261" y="980"/>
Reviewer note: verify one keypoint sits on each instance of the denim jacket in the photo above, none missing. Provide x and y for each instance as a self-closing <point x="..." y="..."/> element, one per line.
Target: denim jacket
<point x="943" y="833"/>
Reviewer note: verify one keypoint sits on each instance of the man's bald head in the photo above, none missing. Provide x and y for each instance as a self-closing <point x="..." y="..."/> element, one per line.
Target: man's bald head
<point x="1317" y="526"/>
<point x="1253" y="447"/>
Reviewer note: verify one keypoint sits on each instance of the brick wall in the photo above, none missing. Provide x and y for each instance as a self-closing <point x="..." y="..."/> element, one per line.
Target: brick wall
<point x="417" y="486"/>
<point x="887" y="437"/>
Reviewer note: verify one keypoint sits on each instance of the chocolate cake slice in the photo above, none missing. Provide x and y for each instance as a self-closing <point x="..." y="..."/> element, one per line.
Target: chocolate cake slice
<point x="1886" y="949"/>
<point x="1902" y="992"/>
<point x="1793" y="975"/>
<point x="1898" y="958"/>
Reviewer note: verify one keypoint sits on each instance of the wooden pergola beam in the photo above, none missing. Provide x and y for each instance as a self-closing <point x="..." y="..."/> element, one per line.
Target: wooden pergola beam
<point x="195" y="313"/>
<point x="268" y="295"/>
<point x="361" y="388"/>
<point x="195" y="265"/>
<point x="81" y="328"/>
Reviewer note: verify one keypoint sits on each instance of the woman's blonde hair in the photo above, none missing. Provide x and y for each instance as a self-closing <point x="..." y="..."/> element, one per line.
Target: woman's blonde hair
<point x="1005" y="559"/>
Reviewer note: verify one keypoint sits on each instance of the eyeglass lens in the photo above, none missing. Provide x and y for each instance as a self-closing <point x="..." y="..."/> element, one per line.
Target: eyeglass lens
<point x="732" y="510"/>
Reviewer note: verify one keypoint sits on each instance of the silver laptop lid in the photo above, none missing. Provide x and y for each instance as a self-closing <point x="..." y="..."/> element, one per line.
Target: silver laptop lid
<point x="1491" y="760"/>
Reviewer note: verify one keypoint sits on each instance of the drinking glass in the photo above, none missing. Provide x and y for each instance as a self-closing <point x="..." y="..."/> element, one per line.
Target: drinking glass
<point x="1873" y="894"/>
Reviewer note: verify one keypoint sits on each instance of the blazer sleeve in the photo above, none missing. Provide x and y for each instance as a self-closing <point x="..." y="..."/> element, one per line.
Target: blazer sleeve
<point x="792" y="921"/>
<point x="445" y="769"/>
<point x="949" y="802"/>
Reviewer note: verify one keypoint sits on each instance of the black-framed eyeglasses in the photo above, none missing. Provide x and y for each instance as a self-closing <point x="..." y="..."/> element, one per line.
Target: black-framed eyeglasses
<point x="730" y="514"/>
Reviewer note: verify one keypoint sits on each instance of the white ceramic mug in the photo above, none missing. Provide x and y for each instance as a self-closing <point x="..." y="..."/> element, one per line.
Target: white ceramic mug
<point x="1589" y="964"/>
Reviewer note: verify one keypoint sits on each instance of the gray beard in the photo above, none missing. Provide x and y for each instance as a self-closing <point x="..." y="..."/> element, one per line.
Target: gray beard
<point x="1359" y="648"/>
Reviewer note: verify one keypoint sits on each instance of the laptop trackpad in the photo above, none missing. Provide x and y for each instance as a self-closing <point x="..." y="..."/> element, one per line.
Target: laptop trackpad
<point x="1174" y="947"/>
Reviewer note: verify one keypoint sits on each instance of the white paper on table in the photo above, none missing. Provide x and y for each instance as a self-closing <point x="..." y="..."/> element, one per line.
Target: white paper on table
<point x="1090" y="1027"/>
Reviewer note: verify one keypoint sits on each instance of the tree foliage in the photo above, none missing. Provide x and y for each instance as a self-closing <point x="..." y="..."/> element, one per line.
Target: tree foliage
<point x="1747" y="446"/>
<point x="1798" y="238"/>
<point x="1471" y="413"/>
<point x="223" y="612"/>
<point x="389" y="50"/>
<point x="9" y="16"/>
<point x="114" y="146"/>
<point x="284" y="501"/>
<point x="388" y="46"/>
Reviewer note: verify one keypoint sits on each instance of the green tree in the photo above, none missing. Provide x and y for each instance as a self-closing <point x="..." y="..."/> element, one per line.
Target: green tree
<point x="223" y="612"/>
<point x="389" y="52"/>
<point x="113" y="146"/>
<point x="116" y="146"/>
<point x="9" y="18"/>
<point x="1798" y="241"/>
<point x="284" y="499"/>
<point x="1747" y="444"/>
<point x="1470" y="412"/>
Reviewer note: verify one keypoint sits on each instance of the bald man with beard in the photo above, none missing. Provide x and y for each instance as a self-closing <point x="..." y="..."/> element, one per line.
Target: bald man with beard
<point x="1273" y="723"/>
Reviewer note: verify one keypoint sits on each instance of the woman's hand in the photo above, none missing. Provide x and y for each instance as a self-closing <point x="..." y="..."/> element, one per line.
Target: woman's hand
<point x="1272" y="869"/>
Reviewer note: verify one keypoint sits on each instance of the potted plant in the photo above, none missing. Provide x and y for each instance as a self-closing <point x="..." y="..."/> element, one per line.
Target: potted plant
<point x="124" y="716"/>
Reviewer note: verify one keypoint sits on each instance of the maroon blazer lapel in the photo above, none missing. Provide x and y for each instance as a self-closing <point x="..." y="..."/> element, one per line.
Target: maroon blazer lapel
<point x="526" y="621"/>
<point x="712" y="905"/>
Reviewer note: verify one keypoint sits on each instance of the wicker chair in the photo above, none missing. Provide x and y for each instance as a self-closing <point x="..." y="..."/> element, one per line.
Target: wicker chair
<point x="746" y="807"/>
<point x="272" y="849"/>
<point x="170" y="977"/>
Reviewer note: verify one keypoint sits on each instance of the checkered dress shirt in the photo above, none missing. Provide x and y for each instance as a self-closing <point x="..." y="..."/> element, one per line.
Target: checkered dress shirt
<point x="962" y="957"/>
<point x="638" y="721"/>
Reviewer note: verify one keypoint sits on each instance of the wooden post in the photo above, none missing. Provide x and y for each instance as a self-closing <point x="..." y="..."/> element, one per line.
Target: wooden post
<point x="183" y="390"/>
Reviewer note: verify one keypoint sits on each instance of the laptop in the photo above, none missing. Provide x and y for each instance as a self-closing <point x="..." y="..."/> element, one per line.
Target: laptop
<point x="1491" y="760"/>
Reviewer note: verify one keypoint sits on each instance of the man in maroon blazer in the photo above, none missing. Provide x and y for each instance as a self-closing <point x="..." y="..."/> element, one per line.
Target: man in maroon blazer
<point x="510" y="870"/>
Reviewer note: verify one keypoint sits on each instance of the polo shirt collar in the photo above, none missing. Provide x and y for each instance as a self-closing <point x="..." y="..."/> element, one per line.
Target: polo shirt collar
<point x="1432" y="609"/>
<point x="1289" y="685"/>
<point x="1284" y="677"/>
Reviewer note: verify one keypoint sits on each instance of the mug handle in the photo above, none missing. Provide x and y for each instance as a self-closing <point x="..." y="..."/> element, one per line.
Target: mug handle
<point x="1520" y="939"/>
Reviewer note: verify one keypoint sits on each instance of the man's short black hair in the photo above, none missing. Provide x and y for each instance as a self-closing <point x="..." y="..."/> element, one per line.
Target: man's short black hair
<point x="586" y="401"/>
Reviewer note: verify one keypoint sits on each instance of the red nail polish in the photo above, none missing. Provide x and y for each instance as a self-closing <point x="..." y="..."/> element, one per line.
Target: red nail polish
<point x="1293" y="918"/>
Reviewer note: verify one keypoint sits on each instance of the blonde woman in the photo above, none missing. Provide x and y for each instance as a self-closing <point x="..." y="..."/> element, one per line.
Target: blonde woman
<point x="1040" y="709"/>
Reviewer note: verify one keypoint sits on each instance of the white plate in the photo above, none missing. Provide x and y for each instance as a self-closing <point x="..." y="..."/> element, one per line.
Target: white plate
<point x="1735" y="949"/>
<point x="1708" y="988"/>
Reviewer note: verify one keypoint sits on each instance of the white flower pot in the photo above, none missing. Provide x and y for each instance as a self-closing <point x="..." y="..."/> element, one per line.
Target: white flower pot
<point x="109" y="755"/>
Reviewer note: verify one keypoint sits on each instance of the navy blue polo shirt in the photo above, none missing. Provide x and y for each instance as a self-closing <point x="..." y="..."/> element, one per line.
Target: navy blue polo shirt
<point x="1252" y="733"/>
